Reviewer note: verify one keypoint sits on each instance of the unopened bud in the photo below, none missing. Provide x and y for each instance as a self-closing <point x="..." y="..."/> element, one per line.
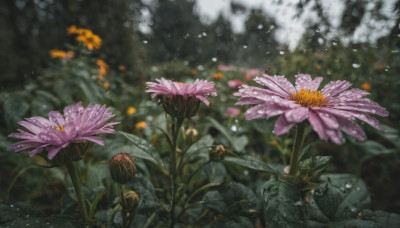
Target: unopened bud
<point x="217" y="153"/>
<point x="69" y="154"/>
<point x="122" y="168"/>
<point x="191" y="134"/>
<point x="130" y="201"/>
<point x="180" y="106"/>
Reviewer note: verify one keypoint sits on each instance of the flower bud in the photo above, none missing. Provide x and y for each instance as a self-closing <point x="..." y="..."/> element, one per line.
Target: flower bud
<point x="73" y="152"/>
<point x="217" y="153"/>
<point x="130" y="201"/>
<point x="180" y="106"/>
<point x="122" y="168"/>
<point x="191" y="134"/>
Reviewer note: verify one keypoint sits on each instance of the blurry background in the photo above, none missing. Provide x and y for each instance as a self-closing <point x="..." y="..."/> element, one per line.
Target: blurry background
<point x="220" y="40"/>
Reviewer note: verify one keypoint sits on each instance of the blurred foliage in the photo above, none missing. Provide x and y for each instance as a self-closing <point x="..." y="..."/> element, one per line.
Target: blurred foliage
<point x="183" y="48"/>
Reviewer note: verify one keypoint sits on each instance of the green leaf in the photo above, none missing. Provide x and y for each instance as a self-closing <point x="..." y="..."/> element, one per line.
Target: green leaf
<point x="200" y="147"/>
<point x="342" y="196"/>
<point x="384" y="219"/>
<point x="18" y="210"/>
<point x="249" y="162"/>
<point x="238" y="143"/>
<point x="390" y="134"/>
<point x="284" y="206"/>
<point x="59" y="221"/>
<point x="374" y="148"/>
<point x="239" y="197"/>
<point x="148" y="197"/>
<point x="213" y="200"/>
<point x="149" y="152"/>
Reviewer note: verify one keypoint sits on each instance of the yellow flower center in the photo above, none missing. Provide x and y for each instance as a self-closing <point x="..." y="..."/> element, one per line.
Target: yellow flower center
<point x="309" y="98"/>
<point x="60" y="128"/>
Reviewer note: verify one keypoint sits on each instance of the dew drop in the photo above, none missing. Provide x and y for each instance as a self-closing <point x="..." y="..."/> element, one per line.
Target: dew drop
<point x="245" y="46"/>
<point x="355" y="65"/>
<point x="260" y="26"/>
<point x="348" y="184"/>
<point x="214" y="59"/>
<point x="145" y="41"/>
<point x="373" y="111"/>
<point x="282" y="52"/>
<point x="353" y="209"/>
<point x="234" y="128"/>
<point x="255" y="93"/>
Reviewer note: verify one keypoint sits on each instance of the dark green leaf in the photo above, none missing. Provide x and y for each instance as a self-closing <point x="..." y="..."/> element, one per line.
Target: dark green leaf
<point x="249" y="162"/>
<point x="149" y="152"/>
<point x="200" y="147"/>
<point x="18" y="210"/>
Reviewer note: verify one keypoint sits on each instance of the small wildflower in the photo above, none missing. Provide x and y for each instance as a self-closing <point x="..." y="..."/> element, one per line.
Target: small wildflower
<point x="130" y="111"/>
<point x="103" y="68"/>
<point x="73" y="30"/>
<point x="218" y="75"/>
<point x="141" y="125"/>
<point x="76" y="125"/>
<point x="223" y="67"/>
<point x="194" y="71"/>
<point x="329" y="111"/>
<point x="55" y="53"/>
<point x="366" y="86"/>
<point x="122" y="68"/>
<point x="232" y="111"/>
<point x="380" y="67"/>
<point x="235" y="83"/>
<point x="106" y="85"/>
<point x="89" y="39"/>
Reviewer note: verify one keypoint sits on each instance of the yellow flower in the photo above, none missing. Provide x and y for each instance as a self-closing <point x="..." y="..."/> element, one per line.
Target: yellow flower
<point x="130" y="111"/>
<point x="73" y="30"/>
<point x="366" y="86"/>
<point x="55" y="53"/>
<point x="106" y="85"/>
<point x="103" y="68"/>
<point x="122" y="68"/>
<point x="218" y="75"/>
<point x="89" y="39"/>
<point x="141" y="125"/>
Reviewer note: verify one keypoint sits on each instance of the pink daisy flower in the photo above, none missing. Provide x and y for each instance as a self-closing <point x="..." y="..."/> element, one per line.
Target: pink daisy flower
<point x="78" y="124"/>
<point x="329" y="111"/>
<point x="199" y="89"/>
<point x="179" y="99"/>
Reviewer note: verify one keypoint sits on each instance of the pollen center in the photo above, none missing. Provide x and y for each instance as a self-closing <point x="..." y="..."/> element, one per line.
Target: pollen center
<point x="60" y="128"/>
<point x="309" y="98"/>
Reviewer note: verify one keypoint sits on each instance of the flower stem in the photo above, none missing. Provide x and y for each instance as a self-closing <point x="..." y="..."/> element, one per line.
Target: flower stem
<point x="297" y="147"/>
<point x="73" y="173"/>
<point x="175" y="135"/>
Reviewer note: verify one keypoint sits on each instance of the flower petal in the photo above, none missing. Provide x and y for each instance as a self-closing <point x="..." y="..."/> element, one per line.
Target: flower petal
<point x="352" y="129"/>
<point x="304" y="81"/>
<point x="278" y="84"/>
<point x="296" y="115"/>
<point x="282" y="126"/>
<point x="335" y="88"/>
<point x="317" y="125"/>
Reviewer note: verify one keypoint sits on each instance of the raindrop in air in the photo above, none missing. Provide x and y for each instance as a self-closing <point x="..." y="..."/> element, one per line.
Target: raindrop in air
<point x="234" y="128"/>
<point x="260" y="26"/>
<point x="356" y="65"/>
<point x="145" y="41"/>
<point x="214" y="59"/>
<point x="348" y="184"/>
<point x="282" y="52"/>
<point x="244" y="46"/>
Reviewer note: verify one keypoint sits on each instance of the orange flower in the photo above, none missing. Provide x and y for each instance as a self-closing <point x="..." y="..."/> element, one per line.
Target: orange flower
<point x="122" y="68"/>
<point x="380" y="67"/>
<point x="103" y="68"/>
<point x="218" y="75"/>
<point x="55" y="53"/>
<point x="89" y="39"/>
<point x="73" y="30"/>
<point x="194" y="71"/>
<point x="106" y="85"/>
<point x="131" y="110"/>
<point x="366" y="86"/>
<point x="141" y="125"/>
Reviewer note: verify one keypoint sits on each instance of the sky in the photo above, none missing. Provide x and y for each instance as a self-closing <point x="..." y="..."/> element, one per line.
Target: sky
<point x="291" y="28"/>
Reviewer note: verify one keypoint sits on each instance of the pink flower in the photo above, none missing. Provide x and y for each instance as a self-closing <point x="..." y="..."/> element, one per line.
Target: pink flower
<point x="76" y="125"/>
<point x="222" y="67"/>
<point x="232" y="111"/>
<point x="179" y="99"/>
<point x="329" y="111"/>
<point x="235" y="83"/>
<point x="200" y="89"/>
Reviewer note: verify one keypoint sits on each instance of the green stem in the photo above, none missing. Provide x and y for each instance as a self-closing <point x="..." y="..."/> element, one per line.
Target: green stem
<point x="175" y="135"/>
<point x="297" y="147"/>
<point x="73" y="173"/>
